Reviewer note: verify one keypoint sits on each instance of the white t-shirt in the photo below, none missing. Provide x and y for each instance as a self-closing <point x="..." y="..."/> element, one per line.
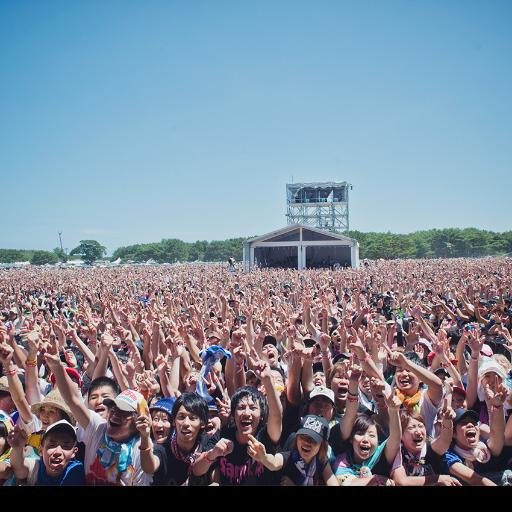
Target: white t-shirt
<point x="95" y="473"/>
<point x="429" y="412"/>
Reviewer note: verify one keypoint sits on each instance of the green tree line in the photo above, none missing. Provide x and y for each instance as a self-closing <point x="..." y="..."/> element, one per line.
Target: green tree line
<point x="433" y="243"/>
<point x="172" y="250"/>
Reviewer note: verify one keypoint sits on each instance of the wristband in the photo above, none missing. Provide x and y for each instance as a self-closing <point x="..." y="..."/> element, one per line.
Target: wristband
<point x="13" y="371"/>
<point x="352" y="399"/>
<point x="31" y="364"/>
<point x="145" y="449"/>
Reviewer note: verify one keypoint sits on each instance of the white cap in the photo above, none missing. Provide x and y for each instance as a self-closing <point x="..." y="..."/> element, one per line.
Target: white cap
<point x="61" y="426"/>
<point x="322" y="391"/>
<point x="426" y="343"/>
<point x="491" y="366"/>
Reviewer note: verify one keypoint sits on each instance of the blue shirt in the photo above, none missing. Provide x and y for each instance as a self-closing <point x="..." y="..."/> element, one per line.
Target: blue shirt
<point x="73" y="474"/>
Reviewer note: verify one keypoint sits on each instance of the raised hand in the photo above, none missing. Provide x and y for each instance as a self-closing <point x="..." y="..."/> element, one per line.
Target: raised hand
<point x="222" y="448"/>
<point x="256" y="449"/>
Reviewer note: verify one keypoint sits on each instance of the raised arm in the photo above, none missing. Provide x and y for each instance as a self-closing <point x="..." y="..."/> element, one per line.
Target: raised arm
<point x="67" y="389"/>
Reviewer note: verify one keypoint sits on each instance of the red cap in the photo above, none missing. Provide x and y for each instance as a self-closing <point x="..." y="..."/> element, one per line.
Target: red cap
<point x="461" y="391"/>
<point x="73" y="374"/>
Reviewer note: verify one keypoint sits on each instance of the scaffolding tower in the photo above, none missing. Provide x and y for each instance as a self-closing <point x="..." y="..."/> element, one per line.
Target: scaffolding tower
<point x="321" y="205"/>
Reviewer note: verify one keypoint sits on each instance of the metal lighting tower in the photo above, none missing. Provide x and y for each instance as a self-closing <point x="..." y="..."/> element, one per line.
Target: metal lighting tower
<point x="60" y="238"/>
<point x="320" y="205"/>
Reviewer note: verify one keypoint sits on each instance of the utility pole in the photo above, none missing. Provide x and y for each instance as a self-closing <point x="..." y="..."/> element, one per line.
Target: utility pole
<point x="61" y="249"/>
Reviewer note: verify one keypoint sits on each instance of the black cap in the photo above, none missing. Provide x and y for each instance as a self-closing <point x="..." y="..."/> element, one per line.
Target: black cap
<point x="441" y="371"/>
<point x="315" y="427"/>
<point x="269" y="340"/>
<point x="318" y="367"/>
<point x="340" y="356"/>
<point x="460" y="414"/>
<point x="309" y="342"/>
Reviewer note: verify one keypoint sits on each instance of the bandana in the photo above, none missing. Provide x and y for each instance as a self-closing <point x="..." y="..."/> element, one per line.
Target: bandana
<point x="111" y="450"/>
<point x="411" y="402"/>
<point x="345" y="463"/>
<point x="415" y="463"/>
<point x="306" y="470"/>
<point x="479" y="453"/>
<point x="187" y="458"/>
<point x="209" y="357"/>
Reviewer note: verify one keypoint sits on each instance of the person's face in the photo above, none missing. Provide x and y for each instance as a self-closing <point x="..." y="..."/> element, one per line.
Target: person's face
<point x="321" y="406"/>
<point x="467" y="433"/>
<point x="307" y="447"/>
<point x="48" y="415"/>
<point x="364" y="444"/>
<point x="71" y="358"/>
<point x="6" y="403"/>
<point x="161" y="425"/>
<point x="364" y="385"/>
<point x="188" y="425"/>
<point x="458" y="401"/>
<point x="58" y="449"/>
<point x="414" y="436"/>
<point x="247" y="416"/>
<point x="339" y="384"/>
<point x="319" y="379"/>
<point x="213" y="425"/>
<point x="120" y="424"/>
<point x="491" y="379"/>
<point x="406" y="381"/>
<point x="95" y="401"/>
<point x="269" y="353"/>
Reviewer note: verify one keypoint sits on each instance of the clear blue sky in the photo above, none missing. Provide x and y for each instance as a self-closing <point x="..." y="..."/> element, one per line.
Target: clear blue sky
<point x="132" y="121"/>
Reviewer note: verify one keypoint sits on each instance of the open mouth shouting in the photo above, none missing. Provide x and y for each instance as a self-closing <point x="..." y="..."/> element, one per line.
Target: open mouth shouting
<point x="364" y="450"/>
<point x="471" y="436"/>
<point x="342" y="391"/>
<point x="246" y="425"/>
<point x="418" y="440"/>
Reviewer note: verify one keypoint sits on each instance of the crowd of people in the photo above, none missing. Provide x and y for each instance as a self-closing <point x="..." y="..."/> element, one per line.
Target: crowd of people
<point x="397" y="373"/>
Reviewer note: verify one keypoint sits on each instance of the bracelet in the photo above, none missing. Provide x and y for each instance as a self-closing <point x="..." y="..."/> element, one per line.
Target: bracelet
<point x="475" y="358"/>
<point x="496" y="407"/>
<point x="13" y="371"/>
<point x="352" y="394"/>
<point x="149" y="448"/>
<point x="353" y="399"/>
<point x="210" y="461"/>
<point x="31" y="364"/>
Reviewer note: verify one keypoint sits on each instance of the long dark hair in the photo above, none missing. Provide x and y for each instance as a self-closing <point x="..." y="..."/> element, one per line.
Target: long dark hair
<point x="257" y="396"/>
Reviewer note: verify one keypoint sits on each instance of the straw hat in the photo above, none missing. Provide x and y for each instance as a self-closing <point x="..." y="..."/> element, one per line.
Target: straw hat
<point x="54" y="399"/>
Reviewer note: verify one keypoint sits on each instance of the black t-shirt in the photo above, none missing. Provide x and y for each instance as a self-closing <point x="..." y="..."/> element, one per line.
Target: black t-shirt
<point x="238" y="467"/>
<point x="173" y="471"/>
